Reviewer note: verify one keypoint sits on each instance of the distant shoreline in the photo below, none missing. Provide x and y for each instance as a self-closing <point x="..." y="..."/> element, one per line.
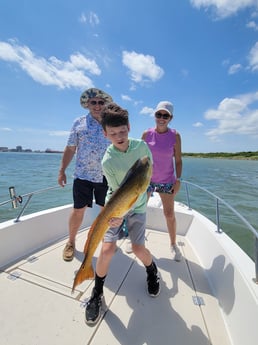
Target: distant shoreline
<point x="249" y="155"/>
<point x="30" y="151"/>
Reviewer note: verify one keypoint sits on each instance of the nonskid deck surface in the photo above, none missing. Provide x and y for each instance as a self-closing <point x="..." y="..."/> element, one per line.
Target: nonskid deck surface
<point x="37" y="306"/>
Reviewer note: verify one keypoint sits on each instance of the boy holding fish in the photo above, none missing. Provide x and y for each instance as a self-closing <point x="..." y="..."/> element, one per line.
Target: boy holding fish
<point x="118" y="159"/>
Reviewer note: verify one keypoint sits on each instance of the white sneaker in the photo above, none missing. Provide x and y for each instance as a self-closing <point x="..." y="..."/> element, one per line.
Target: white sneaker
<point x="128" y="247"/>
<point x="176" y="253"/>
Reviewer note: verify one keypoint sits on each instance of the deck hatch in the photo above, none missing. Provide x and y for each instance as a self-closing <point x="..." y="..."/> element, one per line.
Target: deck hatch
<point x="32" y="259"/>
<point x="14" y="275"/>
<point x="198" y="300"/>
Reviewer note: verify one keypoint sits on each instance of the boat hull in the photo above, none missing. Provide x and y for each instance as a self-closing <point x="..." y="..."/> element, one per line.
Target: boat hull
<point x="214" y="271"/>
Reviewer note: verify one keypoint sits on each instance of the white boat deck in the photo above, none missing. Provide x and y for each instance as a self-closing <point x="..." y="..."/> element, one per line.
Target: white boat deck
<point x="37" y="307"/>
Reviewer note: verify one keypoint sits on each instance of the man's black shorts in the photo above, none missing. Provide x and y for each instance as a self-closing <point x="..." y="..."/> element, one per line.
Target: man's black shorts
<point x="84" y="191"/>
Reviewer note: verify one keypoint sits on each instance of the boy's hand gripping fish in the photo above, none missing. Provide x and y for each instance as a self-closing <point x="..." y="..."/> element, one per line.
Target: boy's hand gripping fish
<point x="135" y="183"/>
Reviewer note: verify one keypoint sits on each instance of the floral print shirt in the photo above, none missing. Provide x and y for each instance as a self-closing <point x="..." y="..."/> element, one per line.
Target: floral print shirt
<point x="87" y="135"/>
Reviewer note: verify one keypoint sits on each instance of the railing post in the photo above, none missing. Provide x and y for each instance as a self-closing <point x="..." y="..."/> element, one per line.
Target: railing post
<point x="23" y="209"/>
<point x="187" y="196"/>
<point x="217" y="216"/>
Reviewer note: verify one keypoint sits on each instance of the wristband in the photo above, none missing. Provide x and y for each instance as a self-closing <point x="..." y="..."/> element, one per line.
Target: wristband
<point x="179" y="179"/>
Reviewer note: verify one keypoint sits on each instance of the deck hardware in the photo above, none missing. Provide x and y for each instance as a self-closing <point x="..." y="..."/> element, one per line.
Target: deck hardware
<point x="14" y="275"/>
<point x="14" y="198"/>
<point x="32" y="259"/>
<point x="198" y="300"/>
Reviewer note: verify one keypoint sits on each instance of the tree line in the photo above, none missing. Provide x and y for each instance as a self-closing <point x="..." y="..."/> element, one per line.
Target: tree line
<point x="229" y="155"/>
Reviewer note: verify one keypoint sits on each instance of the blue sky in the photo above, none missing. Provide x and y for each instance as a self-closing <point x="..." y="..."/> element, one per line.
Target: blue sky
<point x="202" y="55"/>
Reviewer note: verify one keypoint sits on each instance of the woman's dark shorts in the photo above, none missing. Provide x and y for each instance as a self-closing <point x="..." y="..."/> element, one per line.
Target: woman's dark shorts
<point x="167" y="188"/>
<point x="84" y="191"/>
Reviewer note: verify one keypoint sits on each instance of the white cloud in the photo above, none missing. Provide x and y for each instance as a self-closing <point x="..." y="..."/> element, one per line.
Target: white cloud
<point x="126" y="98"/>
<point x="51" y="71"/>
<point x="92" y="18"/>
<point x="83" y="18"/>
<point x="81" y="62"/>
<point x="5" y="129"/>
<point x="225" y="8"/>
<point x="198" y="124"/>
<point x="147" y="111"/>
<point x="253" y="57"/>
<point x="238" y="115"/>
<point x="233" y="69"/>
<point x="59" y="133"/>
<point x="252" y="25"/>
<point x="225" y="62"/>
<point x="142" y="68"/>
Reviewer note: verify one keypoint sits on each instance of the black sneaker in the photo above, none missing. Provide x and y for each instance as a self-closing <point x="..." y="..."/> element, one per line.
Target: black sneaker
<point x="153" y="285"/>
<point x="93" y="308"/>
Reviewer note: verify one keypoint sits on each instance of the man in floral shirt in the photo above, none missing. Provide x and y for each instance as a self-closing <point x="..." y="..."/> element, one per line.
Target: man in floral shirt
<point x="87" y="141"/>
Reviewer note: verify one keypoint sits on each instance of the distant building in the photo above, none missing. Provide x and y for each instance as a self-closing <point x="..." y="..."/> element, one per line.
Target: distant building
<point x="53" y="151"/>
<point x="20" y="149"/>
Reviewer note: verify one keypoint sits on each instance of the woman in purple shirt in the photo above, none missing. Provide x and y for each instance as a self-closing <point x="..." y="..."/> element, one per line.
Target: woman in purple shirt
<point x="165" y="146"/>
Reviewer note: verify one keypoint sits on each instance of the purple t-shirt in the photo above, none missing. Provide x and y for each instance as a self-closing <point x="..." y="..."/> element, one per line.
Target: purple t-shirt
<point x="162" y="149"/>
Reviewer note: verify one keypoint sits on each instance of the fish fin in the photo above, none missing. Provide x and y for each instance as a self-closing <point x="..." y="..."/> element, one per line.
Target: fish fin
<point x="130" y="171"/>
<point x="83" y="274"/>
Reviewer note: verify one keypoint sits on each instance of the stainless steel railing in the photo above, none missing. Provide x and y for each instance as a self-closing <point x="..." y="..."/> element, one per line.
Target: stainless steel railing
<point x="219" y="201"/>
<point x="15" y="200"/>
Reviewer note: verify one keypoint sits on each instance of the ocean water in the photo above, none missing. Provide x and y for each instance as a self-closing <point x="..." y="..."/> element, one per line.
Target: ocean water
<point x="235" y="181"/>
<point x="29" y="172"/>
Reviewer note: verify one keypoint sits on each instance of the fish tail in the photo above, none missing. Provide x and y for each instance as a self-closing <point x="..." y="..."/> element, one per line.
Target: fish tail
<point x="83" y="274"/>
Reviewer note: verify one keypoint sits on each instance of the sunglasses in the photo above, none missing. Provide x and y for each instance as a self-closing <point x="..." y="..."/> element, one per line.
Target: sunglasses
<point x="97" y="102"/>
<point x="163" y="116"/>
